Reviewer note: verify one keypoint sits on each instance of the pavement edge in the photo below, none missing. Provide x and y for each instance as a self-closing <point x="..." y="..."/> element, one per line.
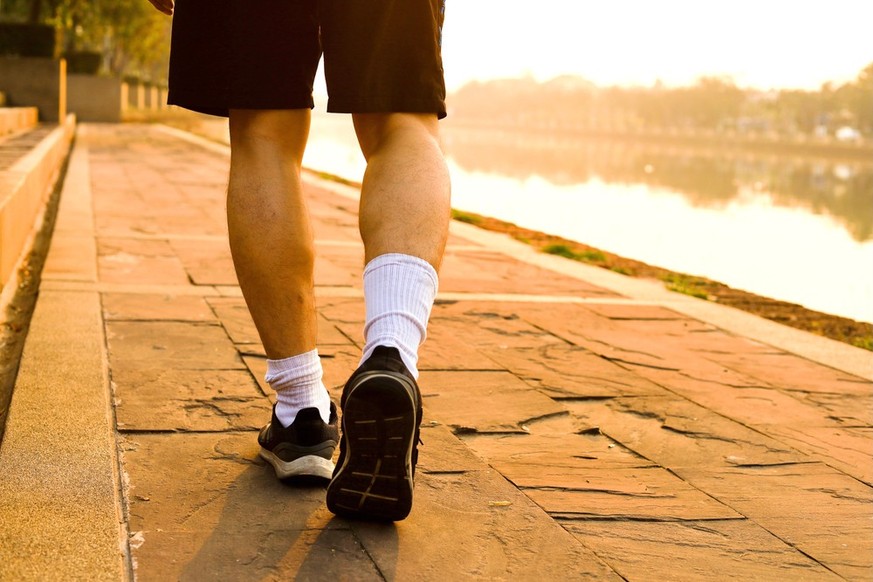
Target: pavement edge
<point x="63" y="519"/>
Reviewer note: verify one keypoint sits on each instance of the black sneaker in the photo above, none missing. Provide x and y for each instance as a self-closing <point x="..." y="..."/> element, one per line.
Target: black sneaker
<point x="303" y="449"/>
<point x="379" y="447"/>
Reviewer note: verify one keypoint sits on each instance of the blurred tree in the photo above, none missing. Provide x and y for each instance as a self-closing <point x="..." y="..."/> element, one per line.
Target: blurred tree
<point x="132" y="36"/>
<point x="856" y="99"/>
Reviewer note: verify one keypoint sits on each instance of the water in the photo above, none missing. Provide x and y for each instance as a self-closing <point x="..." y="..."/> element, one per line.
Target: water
<point x="795" y="229"/>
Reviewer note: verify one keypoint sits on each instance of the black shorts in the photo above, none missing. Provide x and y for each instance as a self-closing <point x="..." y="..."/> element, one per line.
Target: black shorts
<point x="380" y="56"/>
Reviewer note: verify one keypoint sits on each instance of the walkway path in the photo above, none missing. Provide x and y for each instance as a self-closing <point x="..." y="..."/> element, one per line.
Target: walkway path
<point x="577" y="425"/>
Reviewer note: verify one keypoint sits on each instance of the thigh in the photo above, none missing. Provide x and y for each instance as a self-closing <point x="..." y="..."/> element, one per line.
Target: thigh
<point x="383" y="56"/>
<point x="233" y="54"/>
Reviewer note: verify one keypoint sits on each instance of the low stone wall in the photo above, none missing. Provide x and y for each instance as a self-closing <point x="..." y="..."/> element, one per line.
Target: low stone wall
<point x="36" y="82"/>
<point x="15" y="119"/>
<point x="94" y="98"/>
<point x="24" y="189"/>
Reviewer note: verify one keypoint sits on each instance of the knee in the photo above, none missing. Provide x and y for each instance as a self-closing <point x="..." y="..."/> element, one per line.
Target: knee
<point x="378" y="130"/>
<point x="261" y="131"/>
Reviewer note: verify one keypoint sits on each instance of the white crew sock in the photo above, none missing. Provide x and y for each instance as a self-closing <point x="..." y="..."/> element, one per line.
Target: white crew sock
<point x="298" y="385"/>
<point x="399" y="291"/>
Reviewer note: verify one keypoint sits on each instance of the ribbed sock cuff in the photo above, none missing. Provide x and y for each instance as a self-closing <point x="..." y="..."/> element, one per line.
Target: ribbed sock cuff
<point x="298" y="384"/>
<point x="399" y="292"/>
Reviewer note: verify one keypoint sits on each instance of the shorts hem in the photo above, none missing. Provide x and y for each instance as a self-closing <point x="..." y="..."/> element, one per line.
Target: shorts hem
<point x="387" y="105"/>
<point x="222" y="108"/>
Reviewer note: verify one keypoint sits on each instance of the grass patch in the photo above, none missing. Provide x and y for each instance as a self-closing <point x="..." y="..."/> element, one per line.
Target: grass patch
<point x="686" y="285"/>
<point x="563" y="250"/>
<point x="865" y="343"/>
<point x="462" y="216"/>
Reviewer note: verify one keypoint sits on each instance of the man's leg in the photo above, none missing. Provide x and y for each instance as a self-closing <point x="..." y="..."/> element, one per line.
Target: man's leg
<point x="273" y="254"/>
<point x="404" y="217"/>
<point x="405" y="199"/>
<point x="270" y="235"/>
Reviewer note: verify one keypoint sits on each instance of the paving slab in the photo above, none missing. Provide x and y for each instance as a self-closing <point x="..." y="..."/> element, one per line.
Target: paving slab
<point x="696" y="550"/>
<point x="450" y="398"/>
<point x="147" y="307"/>
<point x="820" y="511"/>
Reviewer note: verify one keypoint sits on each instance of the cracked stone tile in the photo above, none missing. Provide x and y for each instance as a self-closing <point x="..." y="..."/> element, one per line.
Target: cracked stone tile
<point x="483" y="401"/>
<point x="661" y="344"/>
<point x="792" y="372"/>
<point x="128" y="268"/>
<point x="695" y="550"/>
<point x="494" y="324"/>
<point x="236" y="319"/>
<point x="453" y="349"/>
<point x="186" y="400"/>
<point x="327" y="226"/>
<point x="134" y="246"/>
<point x="590" y="475"/>
<point x="125" y="225"/>
<point x="541" y="456"/>
<point x="343" y="310"/>
<point x="747" y="404"/>
<point x="331" y="271"/>
<point x="643" y="494"/>
<point x="563" y="371"/>
<point x="673" y="432"/>
<point x="636" y="312"/>
<point x="142" y="307"/>
<point x="165" y="344"/>
<point x="846" y="409"/>
<point x="697" y="377"/>
<point x="476" y="526"/>
<point x="207" y="262"/>
<point x="783" y="417"/>
<point x="205" y="507"/>
<point x="441" y="451"/>
<point x="846" y="449"/>
<point x="491" y="272"/>
<point x="820" y="511"/>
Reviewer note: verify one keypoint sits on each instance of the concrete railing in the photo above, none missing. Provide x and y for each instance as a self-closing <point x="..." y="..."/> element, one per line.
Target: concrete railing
<point x="142" y="97"/>
<point x="15" y="119"/>
<point x="24" y="190"/>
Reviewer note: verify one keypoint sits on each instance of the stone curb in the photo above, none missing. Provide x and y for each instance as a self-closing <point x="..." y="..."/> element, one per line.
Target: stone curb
<point x="59" y="475"/>
<point x="24" y="189"/>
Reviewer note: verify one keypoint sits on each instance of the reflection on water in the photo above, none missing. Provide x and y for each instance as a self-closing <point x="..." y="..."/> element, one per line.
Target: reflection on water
<point x="706" y="178"/>
<point x="795" y="229"/>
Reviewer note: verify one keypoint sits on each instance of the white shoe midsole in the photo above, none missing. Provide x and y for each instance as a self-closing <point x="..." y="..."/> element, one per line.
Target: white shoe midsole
<point x="310" y="465"/>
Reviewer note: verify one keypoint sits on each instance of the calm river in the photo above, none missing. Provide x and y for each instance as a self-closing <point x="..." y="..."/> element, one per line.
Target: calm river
<point x="790" y="228"/>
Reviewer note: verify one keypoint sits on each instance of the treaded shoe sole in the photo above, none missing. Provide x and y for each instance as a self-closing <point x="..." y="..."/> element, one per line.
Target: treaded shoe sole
<point x="378" y="429"/>
<point x="306" y="466"/>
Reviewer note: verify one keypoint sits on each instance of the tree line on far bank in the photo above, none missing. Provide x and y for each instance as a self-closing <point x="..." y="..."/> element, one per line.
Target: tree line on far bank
<point x="714" y="104"/>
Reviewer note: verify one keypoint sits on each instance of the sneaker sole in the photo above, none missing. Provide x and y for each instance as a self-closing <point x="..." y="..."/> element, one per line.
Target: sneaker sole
<point x="306" y="466"/>
<point x="379" y="422"/>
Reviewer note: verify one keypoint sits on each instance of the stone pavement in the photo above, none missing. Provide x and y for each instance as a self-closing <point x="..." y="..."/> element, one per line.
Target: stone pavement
<point x="578" y="424"/>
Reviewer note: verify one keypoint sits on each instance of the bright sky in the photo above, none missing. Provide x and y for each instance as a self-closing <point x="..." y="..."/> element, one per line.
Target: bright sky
<point x="760" y="43"/>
